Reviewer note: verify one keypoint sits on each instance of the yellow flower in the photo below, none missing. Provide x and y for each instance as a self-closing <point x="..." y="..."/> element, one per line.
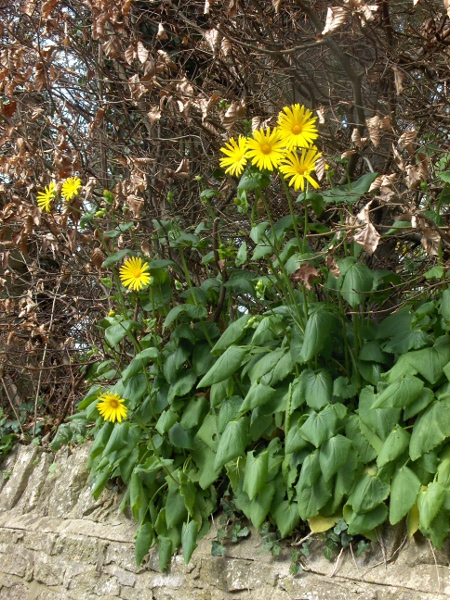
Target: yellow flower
<point x="44" y="199"/>
<point x="266" y="149"/>
<point x="70" y="188"/>
<point x="111" y="407"/>
<point x="133" y="274"/>
<point x="299" y="168"/>
<point x="297" y="126"/>
<point x="235" y="152"/>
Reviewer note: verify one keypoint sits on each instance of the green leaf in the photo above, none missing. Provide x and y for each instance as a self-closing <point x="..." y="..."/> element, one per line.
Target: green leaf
<point x="444" y="307"/>
<point x="139" y="362"/>
<point x="175" y="509"/>
<point x="333" y="455"/>
<point x="316" y="388"/>
<point x="111" y="260"/>
<point x="419" y="404"/>
<point x="357" y="283"/>
<point x="350" y="192"/>
<point x="194" y="311"/>
<point x="286" y="517"/>
<point x="232" y="442"/>
<point x="116" y="333"/>
<point x="319" y="427"/>
<point x="260" y="506"/>
<point x="225" y="366"/>
<point x="182" y="385"/>
<point x="180" y="438"/>
<point x="189" y="539"/>
<point x="319" y="328"/>
<point x="369" y="492"/>
<point x="145" y="538"/>
<point x="445" y="176"/>
<point x="164" y="552"/>
<point x="404" y="488"/>
<point x="365" y="523"/>
<point x="429" y="502"/>
<point x="232" y="334"/>
<point x="400" y="393"/>
<point x="311" y="499"/>
<point x="258" y="395"/>
<point x="430" y="429"/>
<point x="256" y="470"/>
<point x="395" y="444"/>
<point x="258" y="231"/>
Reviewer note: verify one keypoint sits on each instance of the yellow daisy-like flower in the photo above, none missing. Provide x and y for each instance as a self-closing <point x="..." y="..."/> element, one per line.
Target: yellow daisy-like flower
<point x="300" y="167"/>
<point x="236" y="155"/>
<point x="266" y="149"/>
<point x="133" y="274"/>
<point x="44" y="199"/>
<point x="111" y="407"/>
<point x="297" y="126"/>
<point x="70" y="188"/>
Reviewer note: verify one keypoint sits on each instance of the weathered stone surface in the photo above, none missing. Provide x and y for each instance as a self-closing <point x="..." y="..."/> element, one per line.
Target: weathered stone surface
<point x="58" y="543"/>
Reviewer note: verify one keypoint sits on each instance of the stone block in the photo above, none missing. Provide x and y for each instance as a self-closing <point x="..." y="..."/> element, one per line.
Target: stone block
<point x="34" y="493"/>
<point x="37" y="540"/>
<point x="80" y="549"/>
<point x="48" y="571"/>
<point x="107" y="585"/>
<point x="125" y="578"/>
<point x="16" y="484"/>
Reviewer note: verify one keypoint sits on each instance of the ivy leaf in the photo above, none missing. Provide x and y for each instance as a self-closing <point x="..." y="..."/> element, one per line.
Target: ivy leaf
<point x="319" y="427"/>
<point x="145" y="538"/>
<point x="333" y="455"/>
<point x="430" y="429"/>
<point x="225" y="366"/>
<point x="189" y="539"/>
<point x="232" y="442"/>
<point x="256" y="469"/>
<point x="319" y="328"/>
<point x="404" y="488"/>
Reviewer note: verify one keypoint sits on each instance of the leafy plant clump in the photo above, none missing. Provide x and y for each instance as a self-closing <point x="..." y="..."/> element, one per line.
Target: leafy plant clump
<point x="269" y="375"/>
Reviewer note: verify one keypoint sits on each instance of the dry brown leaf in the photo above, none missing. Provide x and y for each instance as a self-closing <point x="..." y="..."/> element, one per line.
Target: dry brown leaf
<point x="183" y="168"/>
<point x="373" y="125"/>
<point x="413" y="177"/>
<point x="376" y="183"/>
<point x="276" y="4"/>
<point x="207" y="7"/>
<point x="406" y="139"/>
<point x="129" y="54"/>
<point x="358" y="141"/>
<point x="154" y="115"/>
<point x="424" y="165"/>
<point x="336" y="16"/>
<point x="397" y="158"/>
<point x="162" y="33"/>
<point x="226" y="47"/>
<point x="212" y="36"/>
<point x="321" y="163"/>
<point x="321" y="114"/>
<point x="97" y="258"/>
<point x="347" y="153"/>
<point x="232" y="114"/>
<point x="368" y="238"/>
<point x="306" y="275"/>
<point x="430" y="241"/>
<point x="398" y="79"/>
<point x="142" y="52"/>
<point x="256" y="123"/>
<point x="332" y="266"/>
<point x="447" y="7"/>
<point x="8" y="110"/>
<point x="135" y="203"/>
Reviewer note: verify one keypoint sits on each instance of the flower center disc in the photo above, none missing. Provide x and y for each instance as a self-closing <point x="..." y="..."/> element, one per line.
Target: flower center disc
<point x="137" y="274"/>
<point x="114" y="404"/>
<point x="266" y="148"/>
<point x="296" y="129"/>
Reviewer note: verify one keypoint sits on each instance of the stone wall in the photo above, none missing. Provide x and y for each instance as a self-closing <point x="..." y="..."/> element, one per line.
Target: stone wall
<point x="56" y="542"/>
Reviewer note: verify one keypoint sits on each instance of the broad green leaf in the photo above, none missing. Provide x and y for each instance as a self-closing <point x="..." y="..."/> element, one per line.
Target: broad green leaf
<point x="312" y="498"/>
<point x="265" y="364"/>
<point x="175" y="509"/>
<point x="365" y="523"/>
<point x="319" y="427"/>
<point x="400" y="393"/>
<point x="165" y="550"/>
<point x="232" y="334"/>
<point x="333" y="455"/>
<point x="181" y="438"/>
<point x="310" y="471"/>
<point x="353" y="431"/>
<point x="372" y="352"/>
<point x="189" y="539"/>
<point x="429" y="502"/>
<point x="139" y="362"/>
<point x="316" y="387"/>
<point x="357" y="283"/>
<point x="194" y="311"/>
<point x="258" y="231"/>
<point x="258" y="395"/>
<point x="368" y="493"/>
<point x="166" y="419"/>
<point x="438" y="529"/>
<point x="260" y="506"/>
<point x="229" y="411"/>
<point x="182" y="385"/>
<point x="137" y="496"/>
<point x="256" y="470"/>
<point x="204" y="459"/>
<point x="220" y="391"/>
<point x="404" y="488"/>
<point x="232" y="442"/>
<point x="430" y="429"/>
<point x="208" y="432"/>
<point x="350" y="192"/>
<point x="194" y="412"/>
<point x="395" y="444"/>
<point x="225" y="366"/>
<point x="116" y="333"/>
<point x="420" y="403"/>
<point x="188" y="491"/>
<point x="444" y="307"/>
<point x="429" y="362"/>
<point x="380" y="421"/>
<point x="145" y="538"/>
<point x="286" y="517"/>
<point x="319" y="328"/>
<point x="111" y="260"/>
<point x="294" y="440"/>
